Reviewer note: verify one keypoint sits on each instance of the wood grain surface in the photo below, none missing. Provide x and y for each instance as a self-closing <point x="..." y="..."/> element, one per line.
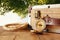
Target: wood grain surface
<point x="27" y="35"/>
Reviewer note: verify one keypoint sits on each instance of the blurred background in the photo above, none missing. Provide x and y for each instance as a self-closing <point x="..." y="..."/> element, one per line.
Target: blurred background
<point x="17" y="10"/>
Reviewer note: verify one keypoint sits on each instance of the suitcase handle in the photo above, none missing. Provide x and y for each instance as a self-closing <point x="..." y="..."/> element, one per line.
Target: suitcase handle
<point x="38" y="15"/>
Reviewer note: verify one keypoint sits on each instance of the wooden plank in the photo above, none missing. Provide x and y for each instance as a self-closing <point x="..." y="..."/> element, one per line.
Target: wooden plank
<point x="7" y="37"/>
<point x="50" y="36"/>
<point x="18" y="35"/>
<point x="27" y="36"/>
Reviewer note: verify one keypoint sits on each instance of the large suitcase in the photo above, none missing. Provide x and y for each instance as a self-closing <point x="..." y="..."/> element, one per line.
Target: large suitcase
<point x="53" y="12"/>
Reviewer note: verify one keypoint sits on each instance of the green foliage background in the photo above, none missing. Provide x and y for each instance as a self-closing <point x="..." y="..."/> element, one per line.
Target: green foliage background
<point x="21" y="6"/>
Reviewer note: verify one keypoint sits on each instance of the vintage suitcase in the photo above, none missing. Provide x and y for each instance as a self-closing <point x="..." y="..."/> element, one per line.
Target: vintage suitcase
<point x="47" y="12"/>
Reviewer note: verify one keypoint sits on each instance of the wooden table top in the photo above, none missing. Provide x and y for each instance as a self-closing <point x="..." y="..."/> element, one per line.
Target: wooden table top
<point x="26" y="35"/>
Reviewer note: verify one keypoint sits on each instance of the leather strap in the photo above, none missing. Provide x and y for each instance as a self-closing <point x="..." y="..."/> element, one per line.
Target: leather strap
<point x="51" y="21"/>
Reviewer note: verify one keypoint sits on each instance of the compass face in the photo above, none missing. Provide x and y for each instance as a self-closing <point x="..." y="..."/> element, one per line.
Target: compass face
<point x="40" y="25"/>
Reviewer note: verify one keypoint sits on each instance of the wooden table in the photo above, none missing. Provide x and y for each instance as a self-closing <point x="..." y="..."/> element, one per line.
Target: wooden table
<point x="27" y="35"/>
